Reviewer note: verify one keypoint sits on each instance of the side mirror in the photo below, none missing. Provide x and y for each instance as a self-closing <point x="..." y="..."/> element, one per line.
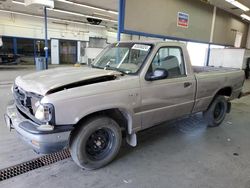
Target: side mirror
<point x="158" y="74"/>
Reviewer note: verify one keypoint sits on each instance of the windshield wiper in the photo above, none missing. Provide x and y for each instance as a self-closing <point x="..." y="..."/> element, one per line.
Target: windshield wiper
<point x="94" y="66"/>
<point x="107" y="67"/>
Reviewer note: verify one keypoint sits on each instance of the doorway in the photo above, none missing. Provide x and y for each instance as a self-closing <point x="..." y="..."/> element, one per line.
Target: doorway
<point x="67" y="52"/>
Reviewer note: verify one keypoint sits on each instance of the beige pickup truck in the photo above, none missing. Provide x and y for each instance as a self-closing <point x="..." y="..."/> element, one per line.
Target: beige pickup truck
<point x="129" y="87"/>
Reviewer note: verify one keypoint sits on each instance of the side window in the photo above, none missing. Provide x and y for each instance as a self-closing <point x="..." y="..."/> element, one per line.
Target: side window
<point x="170" y="59"/>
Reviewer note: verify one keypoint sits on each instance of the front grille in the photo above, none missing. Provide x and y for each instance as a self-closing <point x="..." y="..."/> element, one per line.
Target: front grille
<point x="22" y="99"/>
<point x="26" y="104"/>
<point x="25" y="101"/>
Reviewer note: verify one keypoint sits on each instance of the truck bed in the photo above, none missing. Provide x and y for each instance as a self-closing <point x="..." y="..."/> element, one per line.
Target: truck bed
<point x="212" y="79"/>
<point x="200" y="69"/>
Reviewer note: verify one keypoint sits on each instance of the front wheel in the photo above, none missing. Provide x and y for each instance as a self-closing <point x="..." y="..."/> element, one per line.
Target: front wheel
<point x="96" y="143"/>
<point x="247" y="73"/>
<point x="216" y="112"/>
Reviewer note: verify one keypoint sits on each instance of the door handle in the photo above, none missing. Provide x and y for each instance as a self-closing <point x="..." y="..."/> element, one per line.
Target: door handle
<point x="187" y="84"/>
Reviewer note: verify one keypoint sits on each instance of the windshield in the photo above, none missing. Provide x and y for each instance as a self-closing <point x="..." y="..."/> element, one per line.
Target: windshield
<point x="123" y="57"/>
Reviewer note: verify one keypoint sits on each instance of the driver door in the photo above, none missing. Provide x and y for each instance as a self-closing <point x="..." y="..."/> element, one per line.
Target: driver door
<point x="170" y="97"/>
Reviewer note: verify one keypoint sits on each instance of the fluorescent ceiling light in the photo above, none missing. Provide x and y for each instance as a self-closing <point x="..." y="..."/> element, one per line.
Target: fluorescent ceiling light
<point x="112" y="12"/>
<point x="238" y="4"/>
<point x="75" y="13"/>
<point x="18" y="2"/>
<point x="87" y="6"/>
<point x="245" y="17"/>
<point x="50" y="18"/>
<point x="76" y="4"/>
<point x="81" y="15"/>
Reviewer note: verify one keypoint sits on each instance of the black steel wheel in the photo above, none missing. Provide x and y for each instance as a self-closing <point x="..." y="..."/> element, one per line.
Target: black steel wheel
<point x="219" y="111"/>
<point x="100" y="144"/>
<point x="95" y="143"/>
<point x="216" y="112"/>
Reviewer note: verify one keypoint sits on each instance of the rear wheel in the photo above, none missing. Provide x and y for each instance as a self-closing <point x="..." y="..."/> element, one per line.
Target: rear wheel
<point x="216" y="112"/>
<point x="96" y="143"/>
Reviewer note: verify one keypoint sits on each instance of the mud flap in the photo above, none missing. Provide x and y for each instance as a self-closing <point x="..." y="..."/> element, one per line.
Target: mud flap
<point x="229" y="107"/>
<point x="131" y="139"/>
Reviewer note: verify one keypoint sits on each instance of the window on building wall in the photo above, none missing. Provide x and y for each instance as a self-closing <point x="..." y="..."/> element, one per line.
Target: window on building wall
<point x="25" y="47"/>
<point x="198" y="53"/>
<point x="171" y="40"/>
<point x="217" y="46"/>
<point x="28" y="49"/>
<point x="7" y="47"/>
<point x="97" y="42"/>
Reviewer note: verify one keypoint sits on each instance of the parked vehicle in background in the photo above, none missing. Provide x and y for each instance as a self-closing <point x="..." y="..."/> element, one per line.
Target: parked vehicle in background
<point x="130" y="86"/>
<point x="8" y="58"/>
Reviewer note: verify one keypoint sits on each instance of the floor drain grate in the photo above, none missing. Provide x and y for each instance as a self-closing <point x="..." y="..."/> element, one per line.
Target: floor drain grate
<point x="33" y="164"/>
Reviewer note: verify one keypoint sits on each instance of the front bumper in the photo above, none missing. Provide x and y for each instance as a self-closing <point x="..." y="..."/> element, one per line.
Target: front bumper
<point x="41" y="142"/>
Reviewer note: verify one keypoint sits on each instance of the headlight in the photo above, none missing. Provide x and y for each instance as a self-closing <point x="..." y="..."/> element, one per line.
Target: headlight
<point x="44" y="112"/>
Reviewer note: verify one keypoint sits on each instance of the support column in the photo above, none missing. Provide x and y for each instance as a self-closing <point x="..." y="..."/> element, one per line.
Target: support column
<point x="208" y="54"/>
<point x="211" y="35"/>
<point x="248" y="38"/>
<point x="213" y="25"/>
<point x="14" y="46"/>
<point x="55" y="51"/>
<point x="46" y="37"/>
<point x="79" y="51"/>
<point x="120" y="18"/>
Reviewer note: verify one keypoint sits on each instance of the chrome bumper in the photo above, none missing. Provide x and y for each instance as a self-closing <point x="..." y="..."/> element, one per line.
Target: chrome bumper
<point x="41" y="142"/>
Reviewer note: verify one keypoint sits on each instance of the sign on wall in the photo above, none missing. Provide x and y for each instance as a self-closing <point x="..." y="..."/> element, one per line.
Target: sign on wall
<point x="182" y="20"/>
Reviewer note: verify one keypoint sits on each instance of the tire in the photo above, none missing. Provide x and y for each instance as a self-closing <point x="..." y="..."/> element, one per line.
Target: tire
<point x="96" y="143"/>
<point x="247" y="73"/>
<point x="216" y="112"/>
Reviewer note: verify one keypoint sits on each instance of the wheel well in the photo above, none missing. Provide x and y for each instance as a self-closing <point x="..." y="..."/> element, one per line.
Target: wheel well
<point x="115" y="114"/>
<point x="227" y="91"/>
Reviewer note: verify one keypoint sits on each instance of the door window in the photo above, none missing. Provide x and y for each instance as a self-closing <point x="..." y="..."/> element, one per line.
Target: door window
<point x="170" y="59"/>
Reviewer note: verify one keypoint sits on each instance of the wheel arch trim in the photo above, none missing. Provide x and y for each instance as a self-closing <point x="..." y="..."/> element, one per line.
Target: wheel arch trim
<point x="127" y="115"/>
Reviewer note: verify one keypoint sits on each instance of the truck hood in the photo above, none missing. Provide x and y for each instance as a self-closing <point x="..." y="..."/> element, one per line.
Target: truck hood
<point x="54" y="80"/>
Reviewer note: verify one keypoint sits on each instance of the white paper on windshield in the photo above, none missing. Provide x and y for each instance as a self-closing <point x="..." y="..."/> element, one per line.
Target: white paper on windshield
<point x="141" y="47"/>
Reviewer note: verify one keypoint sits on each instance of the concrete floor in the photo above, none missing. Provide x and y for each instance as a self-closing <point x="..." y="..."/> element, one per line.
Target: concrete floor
<point x="183" y="153"/>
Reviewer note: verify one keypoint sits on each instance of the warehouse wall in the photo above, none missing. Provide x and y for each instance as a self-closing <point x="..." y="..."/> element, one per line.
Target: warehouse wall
<point x="248" y="38"/>
<point x="30" y="27"/>
<point x="159" y="17"/>
<point x="226" y="26"/>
